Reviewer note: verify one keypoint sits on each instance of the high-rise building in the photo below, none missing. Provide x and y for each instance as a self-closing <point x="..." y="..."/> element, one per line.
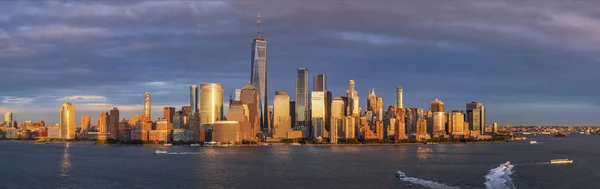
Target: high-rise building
<point x="211" y="103"/>
<point x="437" y="106"/>
<point x="168" y="113"/>
<point x="476" y="116"/>
<point x="338" y="118"/>
<point x="400" y="125"/>
<point x="320" y="82"/>
<point x="239" y="112"/>
<point x="354" y="101"/>
<point x="113" y="126"/>
<point x="237" y="94"/>
<point x="495" y="128"/>
<point x="456" y="121"/>
<point x="318" y="113"/>
<point x="282" y="121"/>
<point x="86" y="122"/>
<point x="429" y="121"/>
<point x="8" y="119"/>
<point x="258" y="76"/>
<point x="375" y="104"/>
<point x="439" y="123"/>
<point x="293" y="113"/>
<point x="147" y="106"/>
<point x="193" y="99"/>
<point x="67" y="121"/>
<point x="178" y="117"/>
<point x="103" y="121"/>
<point x="249" y="97"/>
<point x="399" y="102"/>
<point x="302" y="99"/>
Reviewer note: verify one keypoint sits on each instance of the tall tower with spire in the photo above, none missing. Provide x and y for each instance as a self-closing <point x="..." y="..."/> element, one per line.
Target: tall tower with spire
<point x="258" y="76"/>
<point x="399" y="103"/>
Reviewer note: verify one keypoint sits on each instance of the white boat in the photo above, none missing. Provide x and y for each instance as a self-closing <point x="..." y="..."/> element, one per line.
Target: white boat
<point x="581" y="133"/>
<point x="533" y="142"/>
<point x="507" y="164"/>
<point x="211" y="144"/>
<point x="296" y="144"/>
<point x="195" y="145"/>
<point x="160" y="152"/>
<point x="167" y="144"/>
<point x="400" y="174"/>
<point x="226" y="145"/>
<point x="561" y="161"/>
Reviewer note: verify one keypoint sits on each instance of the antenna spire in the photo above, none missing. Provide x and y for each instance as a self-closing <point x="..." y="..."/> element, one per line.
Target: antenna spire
<point x="258" y="34"/>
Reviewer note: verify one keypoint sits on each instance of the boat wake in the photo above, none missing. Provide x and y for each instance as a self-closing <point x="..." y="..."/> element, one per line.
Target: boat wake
<point x="427" y="183"/>
<point x="182" y="153"/>
<point x="499" y="178"/>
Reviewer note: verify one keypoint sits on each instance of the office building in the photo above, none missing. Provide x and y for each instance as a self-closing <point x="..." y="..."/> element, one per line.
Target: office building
<point x="338" y="118"/>
<point x="86" y="122"/>
<point x="67" y="125"/>
<point x="211" y="103"/>
<point x="193" y="99"/>
<point x="476" y="116"/>
<point x="320" y="82"/>
<point x="318" y="113"/>
<point x="495" y="128"/>
<point x="8" y="119"/>
<point x="178" y="119"/>
<point x="168" y="113"/>
<point x="302" y="100"/>
<point x="237" y="94"/>
<point x="258" y="76"/>
<point x="239" y="112"/>
<point x="456" y="120"/>
<point x="353" y="100"/>
<point x="226" y="132"/>
<point x="437" y="106"/>
<point x="147" y="106"/>
<point x="439" y="123"/>
<point x="375" y="104"/>
<point x="103" y="121"/>
<point x="400" y="125"/>
<point x="282" y="121"/>
<point x="249" y="97"/>
<point x="113" y="126"/>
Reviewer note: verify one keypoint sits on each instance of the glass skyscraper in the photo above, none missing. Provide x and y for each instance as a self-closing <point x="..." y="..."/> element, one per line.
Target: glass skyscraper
<point x="194" y="99"/>
<point x="302" y="103"/>
<point x="320" y="82"/>
<point x="258" y="76"/>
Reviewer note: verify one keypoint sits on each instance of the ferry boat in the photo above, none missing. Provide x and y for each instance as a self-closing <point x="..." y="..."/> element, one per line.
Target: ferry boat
<point x="296" y="144"/>
<point x="561" y="161"/>
<point x="561" y="134"/>
<point x="400" y="174"/>
<point x="195" y="145"/>
<point x="167" y="144"/>
<point x="160" y="152"/>
<point x="533" y="142"/>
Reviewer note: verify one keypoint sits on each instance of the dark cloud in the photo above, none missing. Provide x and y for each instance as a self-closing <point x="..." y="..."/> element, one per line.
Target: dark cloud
<point x="527" y="61"/>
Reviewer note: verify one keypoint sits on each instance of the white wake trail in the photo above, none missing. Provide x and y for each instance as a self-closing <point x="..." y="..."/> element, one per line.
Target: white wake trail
<point x="499" y="178"/>
<point x="427" y="183"/>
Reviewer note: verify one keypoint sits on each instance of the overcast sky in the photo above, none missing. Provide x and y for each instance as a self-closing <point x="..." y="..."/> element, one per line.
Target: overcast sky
<point x="532" y="63"/>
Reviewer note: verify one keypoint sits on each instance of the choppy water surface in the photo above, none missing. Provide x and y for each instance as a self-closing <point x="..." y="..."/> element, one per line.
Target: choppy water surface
<point x="78" y="165"/>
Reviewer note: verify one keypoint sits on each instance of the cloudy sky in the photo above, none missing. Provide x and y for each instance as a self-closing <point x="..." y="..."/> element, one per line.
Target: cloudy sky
<point x="530" y="63"/>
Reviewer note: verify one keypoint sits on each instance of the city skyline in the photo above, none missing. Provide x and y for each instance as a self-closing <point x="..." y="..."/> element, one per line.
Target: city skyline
<point x="522" y="93"/>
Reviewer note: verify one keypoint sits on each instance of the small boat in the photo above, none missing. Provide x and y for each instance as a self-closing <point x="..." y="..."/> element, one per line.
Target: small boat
<point x="507" y="164"/>
<point x="167" y="144"/>
<point x="226" y="145"/>
<point x="160" y="152"/>
<point x="195" y="145"/>
<point x="561" y="161"/>
<point x="211" y="144"/>
<point x="533" y="142"/>
<point x="296" y="144"/>
<point x="400" y="174"/>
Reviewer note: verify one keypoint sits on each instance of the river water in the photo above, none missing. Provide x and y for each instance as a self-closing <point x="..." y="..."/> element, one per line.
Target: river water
<point x="81" y="165"/>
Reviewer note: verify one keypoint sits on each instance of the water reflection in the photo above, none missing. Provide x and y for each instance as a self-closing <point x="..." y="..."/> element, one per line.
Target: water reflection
<point x="65" y="165"/>
<point x="423" y="152"/>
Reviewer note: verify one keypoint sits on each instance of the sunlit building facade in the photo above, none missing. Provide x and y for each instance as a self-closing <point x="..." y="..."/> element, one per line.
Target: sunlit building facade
<point x="302" y="99"/>
<point x="456" y="120"/>
<point x="67" y="125"/>
<point x="437" y="105"/>
<point x="147" y="106"/>
<point x="281" y="115"/>
<point x="211" y="103"/>
<point x="476" y="116"/>
<point x="258" y="76"/>
<point x="194" y="99"/>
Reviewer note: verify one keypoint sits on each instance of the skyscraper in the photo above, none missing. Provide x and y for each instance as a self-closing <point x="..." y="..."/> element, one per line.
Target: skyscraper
<point x="8" y="119"/>
<point x="320" y="82"/>
<point x="193" y="99"/>
<point x="147" y="106"/>
<point x="375" y="104"/>
<point x="67" y="121"/>
<point x="456" y="121"/>
<point x="103" y="121"/>
<point x="439" y="123"/>
<point x="318" y="111"/>
<point x="399" y="102"/>
<point x="437" y="106"/>
<point x="249" y="97"/>
<point x="354" y="101"/>
<point x="338" y="118"/>
<point x="476" y="116"/>
<point x="114" y="123"/>
<point x="168" y="113"/>
<point x="211" y="103"/>
<point x="258" y="76"/>
<point x="302" y="100"/>
<point x="86" y="122"/>
<point x="282" y="122"/>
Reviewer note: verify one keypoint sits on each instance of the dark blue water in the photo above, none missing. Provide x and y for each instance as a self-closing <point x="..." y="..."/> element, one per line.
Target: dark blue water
<point x="80" y="165"/>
